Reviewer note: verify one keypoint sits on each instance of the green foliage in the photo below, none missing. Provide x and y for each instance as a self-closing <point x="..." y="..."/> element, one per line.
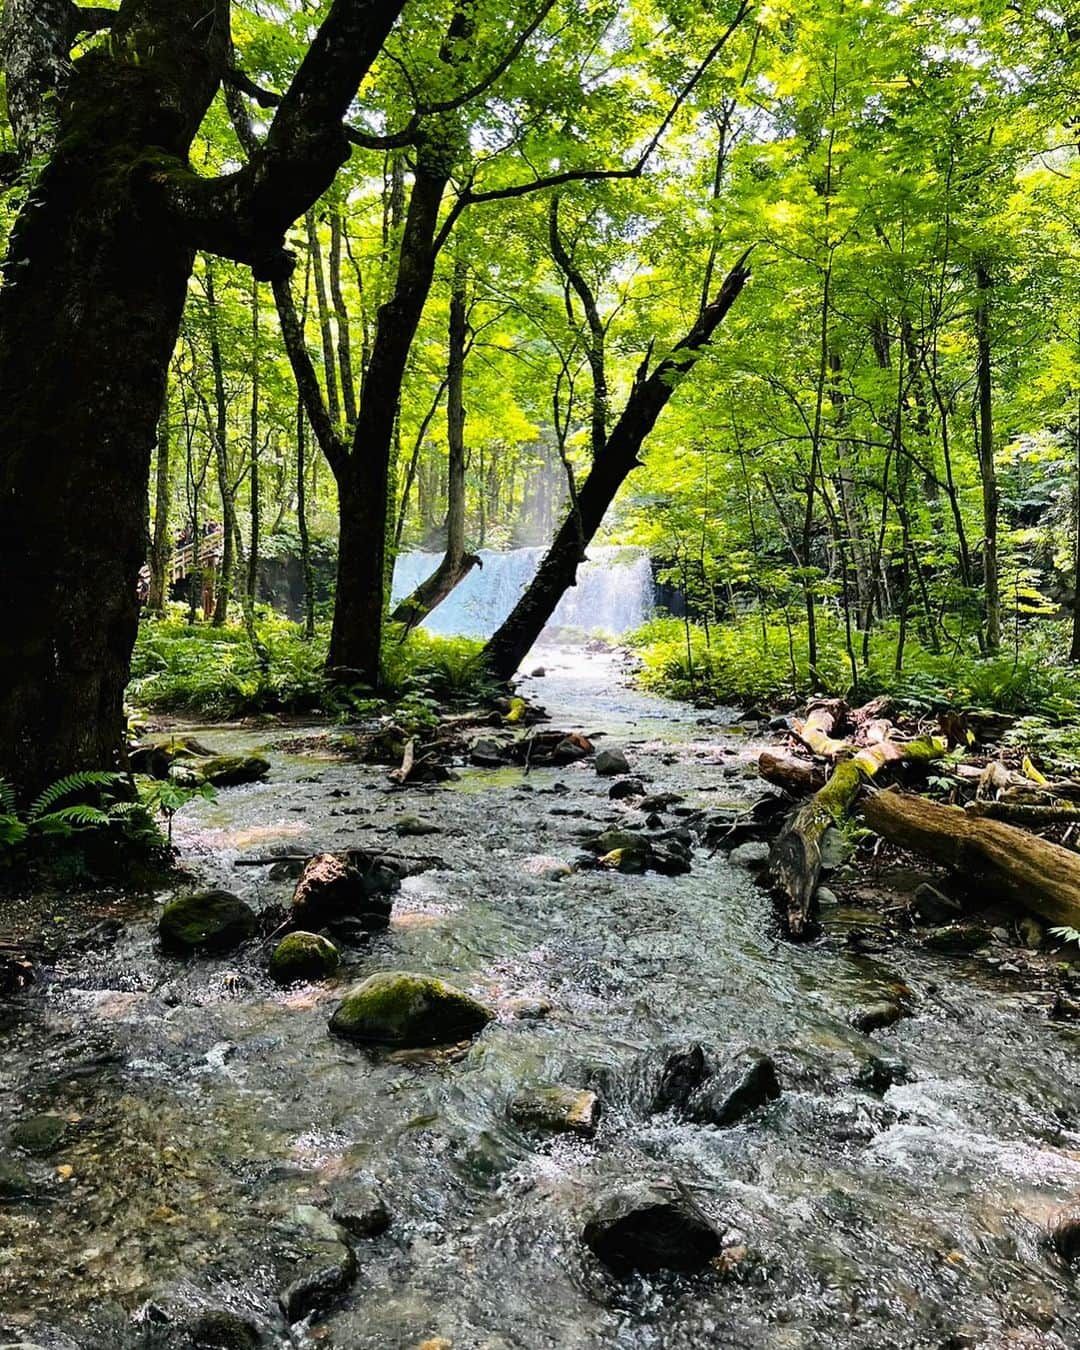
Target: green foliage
<point x="109" y="813"/>
<point x="1066" y="934"/>
<point x="213" y="672"/>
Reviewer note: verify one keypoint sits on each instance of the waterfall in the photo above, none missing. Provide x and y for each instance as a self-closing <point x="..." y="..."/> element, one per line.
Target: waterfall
<point x="614" y="591"/>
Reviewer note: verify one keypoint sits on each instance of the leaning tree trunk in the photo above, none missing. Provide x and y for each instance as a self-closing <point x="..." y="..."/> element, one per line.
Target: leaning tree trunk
<point x="89" y="314"/>
<point x="456" y="564"/>
<point x="161" y="545"/>
<point x="619" y="457"/>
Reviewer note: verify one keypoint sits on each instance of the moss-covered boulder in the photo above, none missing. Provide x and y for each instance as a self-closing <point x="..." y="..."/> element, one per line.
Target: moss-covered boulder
<point x="221" y="770"/>
<point x="645" y="1228"/>
<point x="303" y="956"/>
<point x="39" y="1135"/>
<point x="349" y="885"/>
<point x="14" y="1182"/>
<point x="403" y="1009"/>
<point x="209" y="921"/>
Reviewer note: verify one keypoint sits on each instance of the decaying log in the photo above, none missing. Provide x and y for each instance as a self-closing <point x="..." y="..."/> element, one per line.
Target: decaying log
<point x="795" y="863"/>
<point x="1032" y="814"/>
<point x="1015" y="865"/>
<point x="822" y="720"/>
<point x="789" y="772"/>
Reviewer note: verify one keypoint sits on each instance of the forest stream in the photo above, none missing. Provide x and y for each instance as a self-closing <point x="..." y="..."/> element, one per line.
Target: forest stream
<point x="210" y="1114"/>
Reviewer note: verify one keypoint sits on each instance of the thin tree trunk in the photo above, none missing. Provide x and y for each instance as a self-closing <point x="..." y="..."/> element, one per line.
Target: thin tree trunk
<point x="326" y="331"/>
<point x="161" y="547"/>
<point x="341" y="313"/>
<point x="220" y="434"/>
<point x="987" y="469"/>
<point x="302" y="521"/>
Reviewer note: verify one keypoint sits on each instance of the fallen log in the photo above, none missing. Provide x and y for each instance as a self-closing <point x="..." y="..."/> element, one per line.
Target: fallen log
<point x="795" y="862"/>
<point x="789" y="772"/>
<point x="816" y="732"/>
<point x="1034" y="815"/>
<point x="1021" y="867"/>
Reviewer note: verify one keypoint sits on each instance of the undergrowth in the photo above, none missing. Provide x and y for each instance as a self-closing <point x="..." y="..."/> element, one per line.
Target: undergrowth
<point x="215" y="672"/>
<point x="748" y="662"/>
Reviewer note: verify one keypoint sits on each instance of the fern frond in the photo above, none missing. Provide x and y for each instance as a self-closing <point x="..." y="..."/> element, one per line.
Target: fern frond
<point x="7" y="798"/>
<point x="80" y="814"/>
<point x="67" y="787"/>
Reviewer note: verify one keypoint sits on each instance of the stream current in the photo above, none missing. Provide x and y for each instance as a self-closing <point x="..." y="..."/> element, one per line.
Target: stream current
<point x="205" y="1105"/>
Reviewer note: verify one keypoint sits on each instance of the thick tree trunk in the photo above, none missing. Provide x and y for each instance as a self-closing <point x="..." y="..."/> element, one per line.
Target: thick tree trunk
<point x="619" y="457"/>
<point x="1004" y="860"/>
<point x="89" y="316"/>
<point x="364" y="483"/>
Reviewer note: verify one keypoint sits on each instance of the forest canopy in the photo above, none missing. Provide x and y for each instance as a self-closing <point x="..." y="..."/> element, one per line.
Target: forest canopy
<point x="786" y="295"/>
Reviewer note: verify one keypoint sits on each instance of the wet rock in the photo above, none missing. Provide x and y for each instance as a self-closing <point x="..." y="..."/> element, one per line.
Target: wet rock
<point x="929" y="905"/>
<point x="39" y="1135"/>
<point x="734" y="1091"/>
<point x="222" y="770"/>
<point x="353" y="885"/>
<point x="879" y="1073"/>
<point x="751" y="855"/>
<point x="661" y="801"/>
<point x="361" y="1210"/>
<point x="1063" y="1231"/>
<point x="670" y="861"/>
<point x="324" y="1274"/>
<point x="412" y="827"/>
<point x="684" y="1071"/>
<point x="645" y="1228"/>
<point x="557" y="1110"/>
<point x="529" y="1009"/>
<point x="626" y="840"/>
<point x="303" y="956"/>
<point x="956" y="939"/>
<point x="14" y="1182"/>
<point x="824" y="896"/>
<point x="654" y="820"/>
<point x="611" y="763"/>
<point x="404" y="1009"/>
<point x="538" y="673"/>
<point x="211" y="921"/>
<point x="220" y="1330"/>
<point x="877" y="1016"/>
<point x="780" y="724"/>
<point x="626" y="787"/>
<point x="546" y="868"/>
<point x="709" y="1091"/>
<point x="349" y="932"/>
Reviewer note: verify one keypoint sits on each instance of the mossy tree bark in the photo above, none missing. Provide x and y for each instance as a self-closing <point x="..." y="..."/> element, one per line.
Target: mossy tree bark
<point x="97" y="271"/>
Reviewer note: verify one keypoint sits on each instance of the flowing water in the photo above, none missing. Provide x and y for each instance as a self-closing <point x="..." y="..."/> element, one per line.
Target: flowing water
<point x="207" y="1104"/>
<point x="614" y="591"/>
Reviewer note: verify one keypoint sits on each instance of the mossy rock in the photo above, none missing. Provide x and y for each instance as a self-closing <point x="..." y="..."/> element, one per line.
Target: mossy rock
<point x="14" y="1182"/>
<point x="209" y="921"/>
<point x="221" y="770"/>
<point x="303" y="956"/>
<point x="39" y="1135"/>
<point x="556" y="1109"/>
<point x="621" y="841"/>
<point x="402" y="1009"/>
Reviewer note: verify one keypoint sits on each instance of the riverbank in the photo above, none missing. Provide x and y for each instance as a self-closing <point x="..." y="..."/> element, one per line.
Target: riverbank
<point x="209" y="1112"/>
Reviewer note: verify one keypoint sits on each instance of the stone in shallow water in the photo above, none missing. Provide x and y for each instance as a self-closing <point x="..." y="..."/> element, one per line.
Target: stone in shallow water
<point x="322" y="1276"/>
<point x="644" y="1228"/>
<point x="929" y="905"/>
<point x="405" y="1009"/>
<point x="211" y="921"/>
<point x="360" y="1209"/>
<point x="557" y="1110"/>
<point x="303" y="956"/>
<point x="14" y="1182"/>
<point x="752" y="856"/>
<point x="354" y="885"/>
<point x="1063" y="1231"/>
<point x="736" y="1089"/>
<point x="626" y="787"/>
<point x="877" y="1016"/>
<point x="223" y="1331"/>
<point x="546" y="868"/>
<point x="956" y="939"/>
<point x="412" y="827"/>
<point x="39" y="1135"/>
<point x="611" y="763"/>
<point x="878" y="1074"/>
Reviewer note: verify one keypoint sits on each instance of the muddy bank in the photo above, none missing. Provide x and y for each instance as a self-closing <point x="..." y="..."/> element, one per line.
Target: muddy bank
<point x="210" y="1116"/>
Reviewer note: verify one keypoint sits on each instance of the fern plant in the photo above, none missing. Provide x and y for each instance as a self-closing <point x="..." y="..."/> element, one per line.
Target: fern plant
<point x="108" y="808"/>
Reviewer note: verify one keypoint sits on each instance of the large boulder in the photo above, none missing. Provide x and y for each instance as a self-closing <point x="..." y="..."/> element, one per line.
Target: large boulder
<point x="349" y="885"/>
<point x="303" y="956"/>
<point x="395" y="1007"/>
<point x="644" y="1228"/>
<point x="209" y="921"/>
<point x="189" y="761"/>
<point x="557" y="1110"/>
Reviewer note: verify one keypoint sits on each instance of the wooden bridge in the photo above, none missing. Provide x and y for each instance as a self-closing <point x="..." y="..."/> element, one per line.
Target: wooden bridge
<point x="196" y="555"/>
